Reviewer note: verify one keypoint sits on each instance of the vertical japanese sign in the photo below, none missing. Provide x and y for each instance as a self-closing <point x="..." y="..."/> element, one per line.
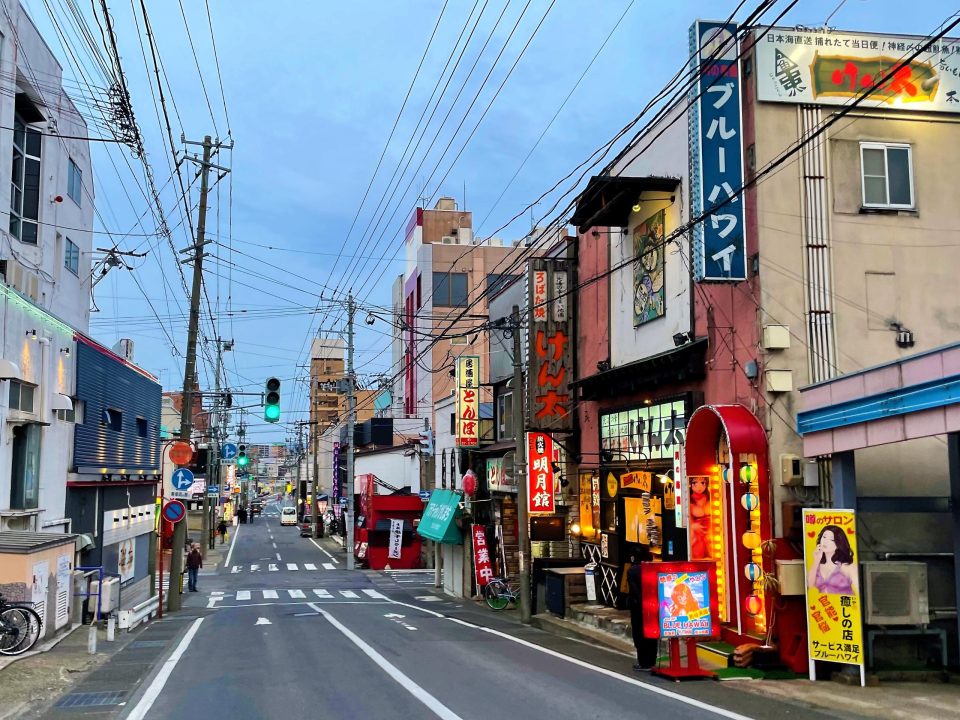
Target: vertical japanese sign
<point x="396" y="538"/>
<point x="831" y="565"/>
<point x="540" y="484"/>
<point x="468" y="400"/>
<point x="716" y="153"/>
<point x="481" y="556"/>
<point x="550" y="361"/>
<point x="335" y="483"/>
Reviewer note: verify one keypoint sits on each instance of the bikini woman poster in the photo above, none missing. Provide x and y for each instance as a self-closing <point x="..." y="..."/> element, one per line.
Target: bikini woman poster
<point x="831" y="574"/>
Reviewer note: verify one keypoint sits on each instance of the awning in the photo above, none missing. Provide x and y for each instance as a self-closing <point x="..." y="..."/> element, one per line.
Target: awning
<point x="439" y="518"/>
<point x="608" y="201"/>
<point x="682" y="364"/>
<point x="742" y="430"/>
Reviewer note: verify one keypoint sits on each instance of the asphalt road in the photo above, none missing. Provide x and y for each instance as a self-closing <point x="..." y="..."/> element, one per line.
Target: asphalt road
<point x="287" y="632"/>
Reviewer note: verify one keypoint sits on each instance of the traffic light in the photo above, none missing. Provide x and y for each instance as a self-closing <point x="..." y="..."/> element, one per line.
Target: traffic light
<point x="242" y="458"/>
<point x="271" y="400"/>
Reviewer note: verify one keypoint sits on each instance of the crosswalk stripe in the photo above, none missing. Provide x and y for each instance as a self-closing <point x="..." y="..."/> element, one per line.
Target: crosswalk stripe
<point x="273" y="568"/>
<point x="349" y="594"/>
<point x="254" y="568"/>
<point x="291" y="566"/>
<point x="270" y="595"/>
<point x="309" y="566"/>
<point x="322" y="593"/>
<point x="243" y="594"/>
<point x="328" y="566"/>
<point x="375" y="594"/>
<point x="235" y="569"/>
<point x="296" y="593"/>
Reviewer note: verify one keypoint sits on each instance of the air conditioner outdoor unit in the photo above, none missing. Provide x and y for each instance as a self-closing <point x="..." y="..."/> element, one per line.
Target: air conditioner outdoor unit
<point x="895" y="593"/>
<point x="448" y="240"/>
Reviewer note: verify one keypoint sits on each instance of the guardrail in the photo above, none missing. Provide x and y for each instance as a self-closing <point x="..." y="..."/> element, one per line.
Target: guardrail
<point x="129" y="619"/>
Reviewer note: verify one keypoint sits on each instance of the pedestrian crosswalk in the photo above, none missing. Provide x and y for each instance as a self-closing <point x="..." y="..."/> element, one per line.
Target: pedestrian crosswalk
<point x="282" y="567"/>
<point x="299" y="594"/>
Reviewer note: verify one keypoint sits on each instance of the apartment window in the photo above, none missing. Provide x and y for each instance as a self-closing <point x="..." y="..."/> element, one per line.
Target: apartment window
<point x="74" y="181"/>
<point x="112" y="419"/>
<point x="21" y="396"/>
<point x="453" y="424"/>
<point x="497" y="281"/>
<point x="25" y="467"/>
<point x="71" y="257"/>
<point x="450" y="289"/>
<point x="74" y="414"/>
<point x="505" y="416"/>
<point x="142" y="427"/>
<point x="25" y="182"/>
<point x="887" y="174"/>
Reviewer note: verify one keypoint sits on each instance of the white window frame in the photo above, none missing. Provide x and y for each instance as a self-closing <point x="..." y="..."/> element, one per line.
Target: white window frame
<point x="74" y="171"/>
<point x="886" y="170"/>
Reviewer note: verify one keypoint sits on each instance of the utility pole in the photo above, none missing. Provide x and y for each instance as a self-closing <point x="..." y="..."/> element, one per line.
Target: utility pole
<point x="315" y="445"/>
<point x="429" y="482"/>
<point x="174" y="599"/>
<point x="351" y="420"/>
<point x="520" y="467"/>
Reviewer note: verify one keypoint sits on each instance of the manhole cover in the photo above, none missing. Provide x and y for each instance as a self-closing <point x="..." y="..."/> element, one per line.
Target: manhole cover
<point x="147" y="644"/>
<point x="91" y="699"/>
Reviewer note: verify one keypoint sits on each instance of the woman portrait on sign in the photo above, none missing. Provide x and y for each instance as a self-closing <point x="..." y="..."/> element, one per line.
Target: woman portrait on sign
<point x="833" y="571"/>
<point x="683" y="601"/>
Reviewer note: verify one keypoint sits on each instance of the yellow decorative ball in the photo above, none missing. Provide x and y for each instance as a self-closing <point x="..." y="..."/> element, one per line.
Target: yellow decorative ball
<point x="751" y="540"/>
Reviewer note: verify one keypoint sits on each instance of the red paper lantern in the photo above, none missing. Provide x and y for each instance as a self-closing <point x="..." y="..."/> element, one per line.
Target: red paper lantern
<point x="470" y="483"/>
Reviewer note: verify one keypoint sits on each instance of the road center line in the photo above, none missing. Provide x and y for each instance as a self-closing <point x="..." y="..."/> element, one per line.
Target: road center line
<point x="233" y="542"/>
<point x="581" y="663"/>
<point x="437" y="707"/>
<point x="153" y="692"/>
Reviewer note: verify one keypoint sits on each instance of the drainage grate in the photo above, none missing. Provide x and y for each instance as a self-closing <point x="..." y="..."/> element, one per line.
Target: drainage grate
<point x="91" y="699"/>
<point x="147" y="644"/>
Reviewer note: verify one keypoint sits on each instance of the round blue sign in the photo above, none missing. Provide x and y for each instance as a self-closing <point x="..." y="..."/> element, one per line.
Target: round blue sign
<point x="182" y="479"/>
<point x="174" y="511"/>
<point x="228" y="451"/>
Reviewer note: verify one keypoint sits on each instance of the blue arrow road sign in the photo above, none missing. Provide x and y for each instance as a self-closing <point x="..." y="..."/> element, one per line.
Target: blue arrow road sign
<point x="424" y="494"/>
<point x="182" y="479"/>
<point x="228" y="451"/>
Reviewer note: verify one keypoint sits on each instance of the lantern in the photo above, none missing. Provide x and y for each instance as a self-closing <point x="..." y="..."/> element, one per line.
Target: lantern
<point x="751" y="540"/>
<point x="753" y="604"/>
<point x="749" y="501"/>
<point x="748" y="474"/>
<point x="725" y="474"/>
<point x="470" y="482"/>
<point x="753" y="571"/>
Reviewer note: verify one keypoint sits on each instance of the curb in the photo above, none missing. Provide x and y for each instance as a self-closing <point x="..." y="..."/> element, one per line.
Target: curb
<point x="46" y="646"/>
<point x="574" y="631"/>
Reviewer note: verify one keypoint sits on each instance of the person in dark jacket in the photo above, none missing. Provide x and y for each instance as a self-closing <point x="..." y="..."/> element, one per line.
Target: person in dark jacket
<point x="646" y="647"/>
<point x="222" y="531"/>
<point x="194" y="563"/>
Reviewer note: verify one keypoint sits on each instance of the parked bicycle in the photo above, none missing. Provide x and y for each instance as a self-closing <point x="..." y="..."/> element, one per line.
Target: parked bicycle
<point x="20" y="627"/>
<point x="499" y="593"/>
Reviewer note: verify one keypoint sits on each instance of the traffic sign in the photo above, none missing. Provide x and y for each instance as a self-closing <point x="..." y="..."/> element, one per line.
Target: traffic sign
<point x="174" y="511"/>
<point x="180" y="452"/>
<point x="424" y="494"/>
<point x="228" y="451"/>
<point x="180" y="494"/>
<point x="182" y="479"/>
<point x="213" y="490"/>
<point x="343" y="501"/>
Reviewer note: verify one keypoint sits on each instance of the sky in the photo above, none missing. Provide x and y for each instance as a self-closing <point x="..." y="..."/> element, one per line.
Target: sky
<point x="309" y="94"/>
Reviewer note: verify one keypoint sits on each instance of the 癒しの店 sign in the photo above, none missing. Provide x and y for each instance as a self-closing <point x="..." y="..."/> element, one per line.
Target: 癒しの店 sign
<point x="649" y="432"/>
<point x="550" y="359"/>
<point x="833" y="68"/>
<point x="540" y="484"/>
<point x="716" y="157"/>
<point x="468" y="400"/>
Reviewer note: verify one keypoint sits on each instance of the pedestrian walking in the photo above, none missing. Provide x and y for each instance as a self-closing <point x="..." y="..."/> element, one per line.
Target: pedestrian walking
<point x="194" y="563"/>
<point x="222" y="531"/>
<point x="646" y="647"/>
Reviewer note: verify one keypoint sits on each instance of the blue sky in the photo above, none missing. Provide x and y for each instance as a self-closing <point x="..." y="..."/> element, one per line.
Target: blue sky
<point x="312" y="91"/>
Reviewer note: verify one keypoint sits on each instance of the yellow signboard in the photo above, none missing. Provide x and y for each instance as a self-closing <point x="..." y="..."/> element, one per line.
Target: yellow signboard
<point x="834" y="627"/>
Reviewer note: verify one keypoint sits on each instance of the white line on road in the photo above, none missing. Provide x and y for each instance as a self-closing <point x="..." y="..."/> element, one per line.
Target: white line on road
<point x="328" y="566"/>
<point x="243" y="594"/>
<point x="291" y="566"/>
<point x="322" y="593"/>
<point x="272" y="567"/>
<point x="274" y="545"/>
<point x="269" y="595"/>
<point x="349" y="593"/>
<point x="375" y="594"/>
<point x="437" y="707"/>
<point x="309" y="566"/>
<point x="153" y="692"/>
<point x="233" y="544"/>
<point x="296" y="593"/>
<point x="582" y="663"/>
<point x="234" y="569"/>
<point x="254" y="568"/>
<point x="323" y="550"/>
<point x="278" y="557"/>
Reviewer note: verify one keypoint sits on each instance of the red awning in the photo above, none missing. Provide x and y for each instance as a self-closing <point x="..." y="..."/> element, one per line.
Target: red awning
<point x="743" y="431"/>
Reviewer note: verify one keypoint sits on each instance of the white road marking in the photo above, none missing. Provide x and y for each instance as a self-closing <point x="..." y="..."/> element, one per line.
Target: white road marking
<point x="349" y="593"/>
<point x="243" y="594"/>
<point x="263" y="621"/>
<point x="254" y="568"/>
<point x="429" y="598"/>
<point x="323" y="550"/>
<point x="375" y="594"/>
<point x="292" y="566"/>
<point x="322" y="593"/>
<point x="435" y="706"/>
<point x="296" y="593"/>
<point x="328" y="566"/>
<point x="233" y="544"/>
<point x="272" y="568"/>
<point x="309" y="566"/>
<point x="156" y="687"/>
<point x="278" y="557"/>
<point x="274" y="545"/>
<point x="270" y="595"/>
<point x="582" y="663"/>
<point x="234" y="569"/>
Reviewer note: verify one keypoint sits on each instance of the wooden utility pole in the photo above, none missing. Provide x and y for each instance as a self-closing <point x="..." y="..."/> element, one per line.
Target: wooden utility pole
<point x="351" y="421"/>
<point x="174" y="599"/>
<point x="520" y="467"/>
<point x="314" y="417"/>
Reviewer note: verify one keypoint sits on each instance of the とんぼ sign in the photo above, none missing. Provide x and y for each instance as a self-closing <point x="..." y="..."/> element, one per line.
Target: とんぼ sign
<point x="468" y="400"/>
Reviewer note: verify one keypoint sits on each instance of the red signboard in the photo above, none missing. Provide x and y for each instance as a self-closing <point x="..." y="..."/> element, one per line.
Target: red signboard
<point x="550" y="348"/>
<point x="481" y="556"/>
<point x="540" y="480"/>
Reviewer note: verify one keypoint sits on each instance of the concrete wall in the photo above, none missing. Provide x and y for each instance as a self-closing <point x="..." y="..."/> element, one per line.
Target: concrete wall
<point x="400" y="467"/>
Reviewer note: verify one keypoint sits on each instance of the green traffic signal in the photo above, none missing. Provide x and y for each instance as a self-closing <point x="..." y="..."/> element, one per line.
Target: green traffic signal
<point x="242" y="458"/>
<point x="271" y="413"/>
<point x="271" y="400"/>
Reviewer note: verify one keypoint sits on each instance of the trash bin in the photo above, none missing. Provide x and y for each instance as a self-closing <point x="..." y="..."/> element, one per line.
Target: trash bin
<point x="588" y="571"/>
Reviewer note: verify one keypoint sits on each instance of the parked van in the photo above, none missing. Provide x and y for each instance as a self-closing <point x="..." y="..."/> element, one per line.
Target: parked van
<point x="288" y="516"/>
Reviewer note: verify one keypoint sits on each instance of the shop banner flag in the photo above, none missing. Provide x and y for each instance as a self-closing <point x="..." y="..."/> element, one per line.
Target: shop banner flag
<point x="540" y="480"/>
<point x="481" y="555"/>
<point x="831" y="576"/>
<point x="396" y="538"/>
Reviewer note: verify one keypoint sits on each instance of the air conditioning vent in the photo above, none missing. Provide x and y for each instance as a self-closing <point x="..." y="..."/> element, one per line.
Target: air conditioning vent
<point x="448" y="240"/>
<point x="891" y="593"/>
<point x="896" y="593"/>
